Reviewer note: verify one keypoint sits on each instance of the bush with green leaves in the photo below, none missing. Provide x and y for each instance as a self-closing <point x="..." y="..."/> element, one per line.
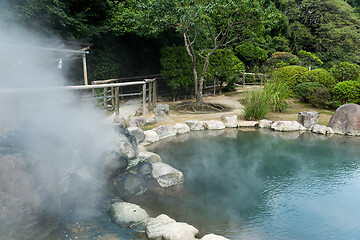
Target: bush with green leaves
<point x="319" y="97"/>
<point x="176" y="69"/>
<point x="289" y="74"/>
<point x="346" y="71"/>
<point x="256" y="105"/>
<point x="346" y="92"/>
<point x="250" y="52"/>
<point x="282" y="59"/>
<point x="302" y="89"/>
<point x="321" y="76"/>
<point x="277" y="93"/>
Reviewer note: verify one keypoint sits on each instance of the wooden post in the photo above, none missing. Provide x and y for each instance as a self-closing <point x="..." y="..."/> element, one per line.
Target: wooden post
<point x="243" y="79"/>
<point x="117" y="101"/>
<point x="85" y="69"/>
<point x="144" y="98"/>
<point x="105" y="100"/>
<point x="113" y="98"/>
<point x="214" y="87"/>
<point x="150" y="90"/>
<point x="155" y="91"/>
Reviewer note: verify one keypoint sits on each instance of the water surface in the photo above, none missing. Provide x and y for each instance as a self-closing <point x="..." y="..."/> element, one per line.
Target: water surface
<point x="264" y="184"/>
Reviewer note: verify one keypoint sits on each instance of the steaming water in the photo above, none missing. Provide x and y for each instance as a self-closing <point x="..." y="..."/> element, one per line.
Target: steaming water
<point x="265" y="185"/>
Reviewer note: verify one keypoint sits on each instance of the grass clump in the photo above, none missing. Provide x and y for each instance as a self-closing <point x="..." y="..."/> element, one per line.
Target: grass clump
<point x="256" y="105"/>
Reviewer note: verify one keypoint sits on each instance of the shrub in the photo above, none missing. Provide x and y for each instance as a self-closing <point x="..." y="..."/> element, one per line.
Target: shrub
<point x="279" y="59"/>
<point x="290" y="74"/>
<point x="321" y="76"/>
<point x="346" y="92"/>
<point x="302" y="89"/>
<point x="346" y="71"/>
<point x="319" y="97"/>
<point x="250" y="52"/>
<point x="277" y="93"/>
<point x="256" y="105"/>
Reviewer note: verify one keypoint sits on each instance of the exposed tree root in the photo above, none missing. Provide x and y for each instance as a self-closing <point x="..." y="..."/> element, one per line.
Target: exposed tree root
<point x="193" y="107"/>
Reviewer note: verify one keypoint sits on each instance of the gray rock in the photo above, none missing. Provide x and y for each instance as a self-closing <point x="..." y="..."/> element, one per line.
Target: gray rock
<point x="136" y="121"/>
<point x="138" y="133"/>
<point x="195" y="125"/>
<point x="214" y="125"/>
<point x="248" y="123"/>
<point x="230" y="121"/>
<point x="321" y="129"/>
<point x="163" y="227"/>
<point x="287" y="126"/>
<point x="151" y="136"/>
<point x="213" y="237"/>
<point x="114" y="162"/>
<point x="264" y="123"/>
<point x="162" y="113"/>
<point x="308" y="119"/>
<point x="166" y="175"/>
<point x="149" y="157"/>
<point x="150" y="121"/>
<point x="130" y="185"/>
<point x="125" y="143"/>
<point x="181" y="128"/>
<point x="164" y="131"/>
<point x="346" y="120"/>
<point x="127" y="214"/>
<point x="144" y="168"/>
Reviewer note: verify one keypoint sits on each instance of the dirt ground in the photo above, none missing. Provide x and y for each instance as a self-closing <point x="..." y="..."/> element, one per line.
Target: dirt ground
<point x="233" y="102"/>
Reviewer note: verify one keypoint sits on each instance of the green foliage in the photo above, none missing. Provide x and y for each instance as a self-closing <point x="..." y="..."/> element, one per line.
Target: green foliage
<point x="346" y="92"/>
<point x="302" y="89"/>
<point x="321" y="76"/>
<point x="319" y="97"/>
<point x="308" y="58"/>
<point x="282" y="59"/>
<point x="176" y="69"/>
<point x="277" y="93"/>
<point x="256" y="105"/>
<point x="250" y="52"/>
<point x="346" y="71"/>
<point x="290" y="75"/>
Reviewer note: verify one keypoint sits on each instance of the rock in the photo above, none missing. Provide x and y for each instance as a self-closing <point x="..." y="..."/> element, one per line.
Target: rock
<point x="264" y="123"/>
<point x="114" y="162"/>
<point x="195" y="125"/>
<point x="287" y="126"/>
<point x="248" y="123"/>
<point x="346" y="120"/>
<point x="213" y="237"/>
<point x="29" y="198"/>
<point x="181" y="128"/>
<point x="321" y="129"/>
<point x="151" y="136"/>
<point x="138" y="133"/>
<point x="134" y="162"/>
<point x="230" y="121"/>
<point x="149" y="157"/>
<point x="136" y="121"/>
<point x="308" y="119"/>
<point x="144" y="168"/>
<point x="162" y="113"/>
<point x="166" y="175"/>
<point x="164" y="131"/>
<point x="130" y="185"/>
<point x="214" y="125"/>
<point x="127" y="214"/>
<point x="163" y="227"/>
<point x="125" y="143"/>
<point x="150" y="121"/>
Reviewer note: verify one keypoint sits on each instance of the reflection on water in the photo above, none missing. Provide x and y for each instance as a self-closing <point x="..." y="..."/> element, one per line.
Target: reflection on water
<point x="265" y="185"/>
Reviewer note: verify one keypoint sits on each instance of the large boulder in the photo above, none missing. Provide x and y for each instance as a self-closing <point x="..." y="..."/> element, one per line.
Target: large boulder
<point x="214" y="125"/>
<point x="127" y="214"/>
<point x="195" y="125"/>
<point x="29" y="199"/>
<point x="181" y="128"/>
<point x="144" y="168"/>
<point x="113" y="162"/>
<point x="163" y="227"/>
<point x="308" y="119"/>
<point x="151" y="136"/>
<point x="125" y="143"/>
<point x="264" y="123"/>
<point x="321" y="129"/>
<point x="166" y="175"/>
<point x="248" y="123"/>
<point x="138" y="133"/>
<point x="136" y="121"/>
<point x="230" y="121"/>
<point x="287" y="126"/>
<point x="149" y="157"/>
<point x="130" y="185"/>
<point x="164" y="131"/>
<point x="346" y="120"/>
<point x="162" y="113"/>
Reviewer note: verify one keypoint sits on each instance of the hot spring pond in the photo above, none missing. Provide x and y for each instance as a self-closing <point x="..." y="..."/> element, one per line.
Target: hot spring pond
<point x="264" y="185"/>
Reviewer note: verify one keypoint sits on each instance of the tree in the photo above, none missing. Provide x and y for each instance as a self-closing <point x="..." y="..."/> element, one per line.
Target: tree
<point x="203" y="24"/>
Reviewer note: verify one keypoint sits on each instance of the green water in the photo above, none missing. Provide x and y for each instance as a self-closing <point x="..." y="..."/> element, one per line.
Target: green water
<point x="264" y="185"/>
